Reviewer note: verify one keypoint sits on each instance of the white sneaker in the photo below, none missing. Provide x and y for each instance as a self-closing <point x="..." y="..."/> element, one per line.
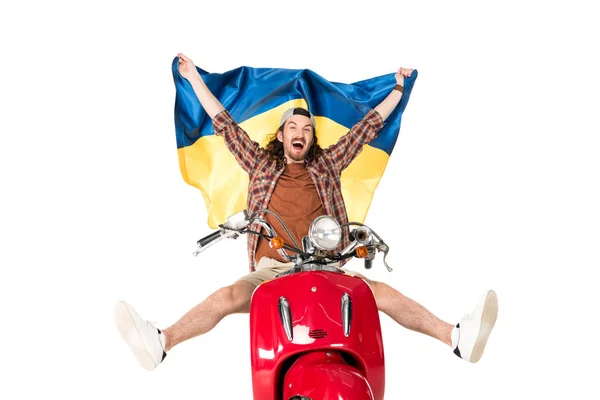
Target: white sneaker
<point x="145" y="340"/>
<point x="470" y="335"/>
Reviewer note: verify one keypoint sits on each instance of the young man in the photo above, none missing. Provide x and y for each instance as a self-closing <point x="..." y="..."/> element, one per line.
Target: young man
<point x="299" y="181"/>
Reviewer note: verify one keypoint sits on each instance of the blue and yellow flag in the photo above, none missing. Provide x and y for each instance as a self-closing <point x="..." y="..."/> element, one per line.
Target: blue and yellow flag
<point x="256" y="98"/>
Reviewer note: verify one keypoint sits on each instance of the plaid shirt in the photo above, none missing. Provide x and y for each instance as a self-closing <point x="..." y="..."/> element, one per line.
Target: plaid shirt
<point x="325" y="171"/>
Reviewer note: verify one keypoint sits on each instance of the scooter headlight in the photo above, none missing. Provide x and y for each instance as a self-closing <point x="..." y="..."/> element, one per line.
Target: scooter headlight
<point x="325" y="233"/>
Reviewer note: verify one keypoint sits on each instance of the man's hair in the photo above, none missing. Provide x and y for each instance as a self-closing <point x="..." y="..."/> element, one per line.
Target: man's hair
<point x="275" y="147"/>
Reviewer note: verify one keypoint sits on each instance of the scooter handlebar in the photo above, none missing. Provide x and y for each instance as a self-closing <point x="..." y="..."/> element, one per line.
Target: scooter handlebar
<point x="205" y="241"/>
<point x="213" y="238"/>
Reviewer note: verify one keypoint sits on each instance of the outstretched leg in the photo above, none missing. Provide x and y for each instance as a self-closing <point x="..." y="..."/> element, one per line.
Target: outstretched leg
<point x="206" y="315"/>
<point x="409" y="313"/>
<point x="150" y="344"/>
<point x="468" y="338"/>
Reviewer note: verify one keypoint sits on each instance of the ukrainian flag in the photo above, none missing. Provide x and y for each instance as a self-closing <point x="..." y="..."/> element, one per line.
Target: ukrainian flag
<point x="256" y="98"/>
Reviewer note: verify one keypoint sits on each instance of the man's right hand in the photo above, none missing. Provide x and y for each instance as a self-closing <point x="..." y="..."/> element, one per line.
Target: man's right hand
<point x="209" y="102"/>
<point x="187" y="69"/>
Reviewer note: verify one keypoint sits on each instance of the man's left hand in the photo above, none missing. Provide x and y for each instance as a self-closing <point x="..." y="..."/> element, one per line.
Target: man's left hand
<point x="401" y="74"/>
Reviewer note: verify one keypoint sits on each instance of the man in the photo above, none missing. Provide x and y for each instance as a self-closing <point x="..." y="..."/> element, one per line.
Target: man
<point x="299" y="181"/>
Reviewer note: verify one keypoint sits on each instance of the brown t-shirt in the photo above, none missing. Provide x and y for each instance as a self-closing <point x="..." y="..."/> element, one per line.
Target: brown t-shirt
<point x="296" y="201"/>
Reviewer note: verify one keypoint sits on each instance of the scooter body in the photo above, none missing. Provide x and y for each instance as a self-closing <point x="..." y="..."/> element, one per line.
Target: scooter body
<point x="316" y="335"/>
<point x="315" y="332"/>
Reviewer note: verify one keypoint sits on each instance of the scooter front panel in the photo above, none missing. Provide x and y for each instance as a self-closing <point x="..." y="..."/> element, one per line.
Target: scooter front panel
<point x="313" y="303"/>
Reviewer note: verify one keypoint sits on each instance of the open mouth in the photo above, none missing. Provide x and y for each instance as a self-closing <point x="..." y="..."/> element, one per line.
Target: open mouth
<point x="297" y="145"/>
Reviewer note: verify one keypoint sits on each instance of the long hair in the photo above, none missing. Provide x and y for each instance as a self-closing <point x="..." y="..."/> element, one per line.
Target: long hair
<point x="275" y="147"/>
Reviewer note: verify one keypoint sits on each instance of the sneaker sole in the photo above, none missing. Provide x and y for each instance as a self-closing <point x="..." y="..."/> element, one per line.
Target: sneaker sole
<point x="488" y="319"/>
<point x="131" y="335"/>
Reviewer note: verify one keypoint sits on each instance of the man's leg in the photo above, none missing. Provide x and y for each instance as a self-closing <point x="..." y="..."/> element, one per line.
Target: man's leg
<point x="468" y="338"/>
<point x="150" y="344"/>
<point x="206" y="315"/>
<point x="409" y="313"/>
<point x="225" y="301"/>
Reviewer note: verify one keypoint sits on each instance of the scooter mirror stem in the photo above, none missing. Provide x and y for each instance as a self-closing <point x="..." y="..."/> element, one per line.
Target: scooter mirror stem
<point x="238" y="220"/>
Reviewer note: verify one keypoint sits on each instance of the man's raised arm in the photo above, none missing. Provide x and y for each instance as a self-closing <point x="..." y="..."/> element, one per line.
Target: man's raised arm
<point x="387" y="106"/>
<point x="238" y="142"/>
<point x="209" y="102"/>
<point x="351" y="144"/>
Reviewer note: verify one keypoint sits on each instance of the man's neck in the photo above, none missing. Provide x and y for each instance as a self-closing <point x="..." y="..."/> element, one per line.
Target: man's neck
<point x="291" y="161"/>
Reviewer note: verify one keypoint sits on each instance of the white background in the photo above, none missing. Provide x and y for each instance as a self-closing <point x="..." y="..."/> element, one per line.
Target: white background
<point x="493" y="184"/>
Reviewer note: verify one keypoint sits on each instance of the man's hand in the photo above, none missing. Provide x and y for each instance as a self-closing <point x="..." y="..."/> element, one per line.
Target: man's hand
<point x="209" y="102"/>
<point x="186" y="67"/>
<point x="401" y="74"/>
<point x="388" y="104"/>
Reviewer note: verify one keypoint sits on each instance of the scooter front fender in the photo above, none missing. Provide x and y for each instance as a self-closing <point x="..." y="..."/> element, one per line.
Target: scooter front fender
<point x="324" y="375"/>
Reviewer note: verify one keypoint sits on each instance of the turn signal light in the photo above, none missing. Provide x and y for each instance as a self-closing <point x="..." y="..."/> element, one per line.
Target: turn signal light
<point x="362" y="252"/>
<point x="276" y="243"/>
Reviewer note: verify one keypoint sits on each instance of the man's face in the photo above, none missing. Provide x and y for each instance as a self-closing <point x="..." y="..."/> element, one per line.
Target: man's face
<point x="297" y="137"/>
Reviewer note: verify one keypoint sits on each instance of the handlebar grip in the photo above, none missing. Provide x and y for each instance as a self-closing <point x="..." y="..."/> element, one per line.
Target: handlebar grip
<point x="368" y="263"/>
<point x="205" y="241"/>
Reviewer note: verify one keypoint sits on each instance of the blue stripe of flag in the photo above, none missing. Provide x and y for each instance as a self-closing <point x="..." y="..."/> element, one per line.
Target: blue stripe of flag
<point x="246" y="92"/>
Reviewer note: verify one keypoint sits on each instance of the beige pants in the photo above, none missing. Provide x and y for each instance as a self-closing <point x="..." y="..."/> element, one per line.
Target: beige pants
<point x="267" y="268"/>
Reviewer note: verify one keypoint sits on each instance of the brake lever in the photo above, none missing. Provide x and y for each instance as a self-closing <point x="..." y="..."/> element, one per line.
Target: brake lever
<point x="385" y="250"/>
<point x="385" y="262"/>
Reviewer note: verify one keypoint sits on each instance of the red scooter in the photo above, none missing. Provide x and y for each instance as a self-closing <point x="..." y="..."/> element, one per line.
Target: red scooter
<point x="315" y="330"/>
